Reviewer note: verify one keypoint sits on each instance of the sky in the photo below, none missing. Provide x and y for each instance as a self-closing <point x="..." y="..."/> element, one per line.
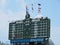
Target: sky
<point x="12" y="10"/>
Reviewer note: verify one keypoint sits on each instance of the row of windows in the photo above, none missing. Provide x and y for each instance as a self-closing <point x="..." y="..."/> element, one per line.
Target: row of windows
<point x="28" y="36"/>
<point x="23" y="31"/>
<point x="32" y="36"/>
<point x="38" y="30"/>
<point x="40" y="34"/>
<point x="20" y="27"/>
<point x="17" y="29"/>
<point x="45" y="23"/>
<point x="27" y="33"/>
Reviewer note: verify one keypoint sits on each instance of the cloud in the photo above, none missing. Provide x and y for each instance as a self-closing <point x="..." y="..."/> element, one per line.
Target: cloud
<point x="7" y="16"/>
<point x="3" y="3"/>
<point x="16" y="16"/>
<point x="55" y="31"/>
<point x="3" y="26"/>
<point x="5" y="19"/>
<point x="38" y="16"/>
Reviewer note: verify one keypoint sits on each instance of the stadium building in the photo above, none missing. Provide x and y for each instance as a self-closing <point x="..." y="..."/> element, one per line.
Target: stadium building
<point x="29" y="31"/>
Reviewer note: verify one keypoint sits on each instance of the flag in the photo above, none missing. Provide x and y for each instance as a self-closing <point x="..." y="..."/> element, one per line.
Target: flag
<point x="39" y="8"/>
<point x="32" y="7"/>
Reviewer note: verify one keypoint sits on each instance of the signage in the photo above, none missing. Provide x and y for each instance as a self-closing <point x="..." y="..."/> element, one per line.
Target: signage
<point x="27" y="40"/>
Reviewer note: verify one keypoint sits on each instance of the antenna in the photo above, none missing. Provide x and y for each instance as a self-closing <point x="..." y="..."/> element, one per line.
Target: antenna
<point x="27" y="9"/>
<point x="27" y="13"/>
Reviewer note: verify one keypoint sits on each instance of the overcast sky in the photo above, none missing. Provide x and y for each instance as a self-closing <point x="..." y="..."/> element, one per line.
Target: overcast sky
<point x="11" y="10"/>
